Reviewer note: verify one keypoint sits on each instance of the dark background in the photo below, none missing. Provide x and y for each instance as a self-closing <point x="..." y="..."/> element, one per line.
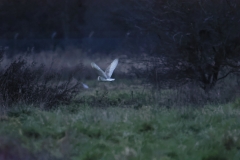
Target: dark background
<point x="184" y="41"/>
<point x="57" y="24"/>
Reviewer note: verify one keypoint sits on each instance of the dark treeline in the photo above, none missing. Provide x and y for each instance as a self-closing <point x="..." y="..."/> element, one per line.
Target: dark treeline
<point x="41" y="25"/>
<point x="51" y="24"/>
<point x="41" y="19"/>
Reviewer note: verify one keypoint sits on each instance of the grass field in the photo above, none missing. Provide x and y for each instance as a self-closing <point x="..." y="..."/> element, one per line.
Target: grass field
<point x="130" y="127"/>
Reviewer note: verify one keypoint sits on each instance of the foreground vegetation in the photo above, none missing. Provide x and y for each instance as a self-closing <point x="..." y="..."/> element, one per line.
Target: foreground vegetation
<point x="53" y="117"/>
<point x="82" y="132"/>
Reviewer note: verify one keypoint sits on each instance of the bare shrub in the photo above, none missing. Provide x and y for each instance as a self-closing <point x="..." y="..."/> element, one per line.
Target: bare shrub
<point x="29" y="83"/>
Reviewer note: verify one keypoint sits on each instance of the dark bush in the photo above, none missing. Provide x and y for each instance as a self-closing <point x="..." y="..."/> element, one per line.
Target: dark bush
<point x="30" y="83"/>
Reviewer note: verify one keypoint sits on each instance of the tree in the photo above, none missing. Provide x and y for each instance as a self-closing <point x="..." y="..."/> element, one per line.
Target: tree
<point x="199" y="40"/>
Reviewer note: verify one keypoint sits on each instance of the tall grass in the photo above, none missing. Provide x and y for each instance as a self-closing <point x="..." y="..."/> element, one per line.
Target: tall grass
<point x="211" y="132"/>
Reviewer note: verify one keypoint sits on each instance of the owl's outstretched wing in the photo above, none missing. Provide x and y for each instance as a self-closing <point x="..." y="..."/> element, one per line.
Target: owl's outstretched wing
<point x="111" y="68"/>
<point x="99" y="70"/>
